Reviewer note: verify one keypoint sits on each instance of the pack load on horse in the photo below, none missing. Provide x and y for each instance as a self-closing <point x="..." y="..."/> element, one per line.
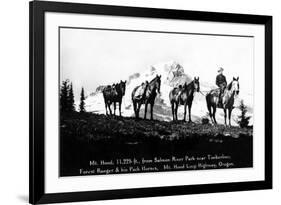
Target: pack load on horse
<point x="114" y="94"/>
<point x="227" y="100"/>
<point x="139" y="94"/>
<point x="183" y="95"/>
<point x="146" y="94"/>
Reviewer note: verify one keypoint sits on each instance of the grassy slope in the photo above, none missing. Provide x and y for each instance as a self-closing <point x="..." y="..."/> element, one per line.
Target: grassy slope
<point x="89" y="136"/>
<point x="95" y="127"/>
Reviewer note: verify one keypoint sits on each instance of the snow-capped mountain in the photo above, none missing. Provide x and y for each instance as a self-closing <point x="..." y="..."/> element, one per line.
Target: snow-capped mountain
<point x="172" y="75"/>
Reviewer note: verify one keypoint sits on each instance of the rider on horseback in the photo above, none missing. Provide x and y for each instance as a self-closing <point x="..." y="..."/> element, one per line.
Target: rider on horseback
<point x="221" y="83"/>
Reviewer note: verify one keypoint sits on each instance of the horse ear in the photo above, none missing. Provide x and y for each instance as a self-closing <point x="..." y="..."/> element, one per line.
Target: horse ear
<point x="234" y="78"/>
<point x="159" y="76"/>
<point x="125" y="81"/>
<point x="237" y="78"/>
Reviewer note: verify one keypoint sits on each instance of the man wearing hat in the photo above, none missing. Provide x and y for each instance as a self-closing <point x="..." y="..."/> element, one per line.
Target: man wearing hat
<point x="221" y="83"/>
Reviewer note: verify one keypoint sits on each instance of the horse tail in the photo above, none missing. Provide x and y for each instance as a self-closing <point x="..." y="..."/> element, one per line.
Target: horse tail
<point x="134" y="102"/>
<point x="133" y="94"/>
<point x="104" y="94"/>
<point x="208" y="101"/>
<point x="172" y="96"/>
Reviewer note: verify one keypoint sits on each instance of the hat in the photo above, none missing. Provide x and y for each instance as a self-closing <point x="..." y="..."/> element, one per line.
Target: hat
<point x="220" y="69"/>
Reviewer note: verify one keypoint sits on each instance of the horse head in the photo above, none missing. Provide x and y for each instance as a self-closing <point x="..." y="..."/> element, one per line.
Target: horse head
<point x="122" y="87"/>
<point x="196" y="84"/>
<point x="158" y="83"/>
<point x="234" y="86"/>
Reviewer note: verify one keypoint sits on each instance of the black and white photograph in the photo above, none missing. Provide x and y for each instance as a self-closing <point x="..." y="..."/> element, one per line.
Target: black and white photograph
<point x="133" y="101"/>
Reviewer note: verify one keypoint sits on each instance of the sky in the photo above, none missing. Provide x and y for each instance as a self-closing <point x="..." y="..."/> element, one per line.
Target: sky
<point x="90" y="57"/>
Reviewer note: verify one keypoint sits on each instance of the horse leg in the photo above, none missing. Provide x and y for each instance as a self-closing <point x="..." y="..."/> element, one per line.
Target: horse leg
<point x="229" y="116"/>
<point x="225" y="116"/>
<point x="184" y="114"/>
<point x="176" y="111"/>
<point x="189" y="113"/>
<point x="211" y="116"/>
<point x="151" y="111"/>
<point x="120" y="103"/>
<point x="105" y="107"/>
<point x="138" y="109"/>
<point x="173" y="107"/>
<point x="114" y="104"/>
<point x="145" y="110"/>
<point x="214" y="114"/>
<point x="209" y="106"/>
<point x="108" y="105"/>
<point x="135" y="108"/>
<point x="210" y="112"/>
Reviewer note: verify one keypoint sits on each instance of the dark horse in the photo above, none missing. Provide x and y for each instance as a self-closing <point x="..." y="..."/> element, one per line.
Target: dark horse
<point x="183" y="96"/>
<point x="113" y="94"/>
<point x="147" y="96"/>
<point x="228" y="96"/>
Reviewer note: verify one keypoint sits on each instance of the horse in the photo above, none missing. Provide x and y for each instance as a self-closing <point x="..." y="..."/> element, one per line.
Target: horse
<point x="114" y="94"/>
<point x="183" y="96"/>
<point x="212" y="99"/>
<point x="148" y="96"/>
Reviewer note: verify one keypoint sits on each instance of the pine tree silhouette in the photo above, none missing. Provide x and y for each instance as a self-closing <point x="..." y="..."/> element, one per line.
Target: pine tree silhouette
<point x="71" y="106"/>
<point x="243" y="120"/>
<point x="82" y="101"/>
<point x="64" y="96"/>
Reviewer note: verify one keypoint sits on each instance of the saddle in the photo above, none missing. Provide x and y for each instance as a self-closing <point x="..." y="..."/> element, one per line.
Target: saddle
<point x="221" y="94"/>
<point x="140" y="91"/>
<point x="111" y="89"/>
<point x="178" y="91"/>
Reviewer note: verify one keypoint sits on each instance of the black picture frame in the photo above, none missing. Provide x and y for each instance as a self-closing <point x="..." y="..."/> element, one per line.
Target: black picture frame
<point x="37" y="10"/>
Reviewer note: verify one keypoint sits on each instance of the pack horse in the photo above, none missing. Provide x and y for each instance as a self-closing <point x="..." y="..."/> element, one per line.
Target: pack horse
<point x="183" y="96"/>
<point x="146" y="94"/>
<point x="114" y="94"/>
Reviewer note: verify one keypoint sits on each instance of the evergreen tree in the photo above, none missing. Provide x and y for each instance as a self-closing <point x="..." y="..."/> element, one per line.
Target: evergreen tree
<point x="71" y="106"/>
<point x="82" y="101"/>
<point x="64" y="96"/>
<point x="243" y="120"/>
